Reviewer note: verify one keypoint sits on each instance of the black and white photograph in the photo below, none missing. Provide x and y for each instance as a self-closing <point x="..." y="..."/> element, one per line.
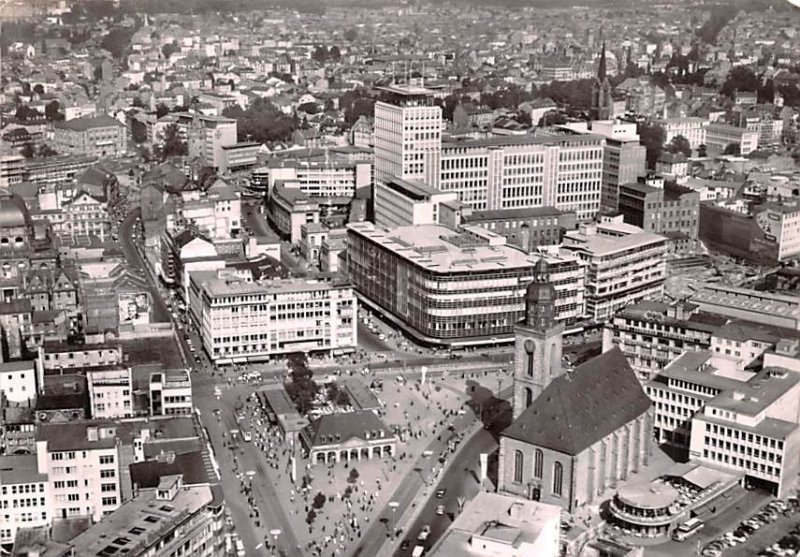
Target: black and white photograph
<point x="399" y="278"/>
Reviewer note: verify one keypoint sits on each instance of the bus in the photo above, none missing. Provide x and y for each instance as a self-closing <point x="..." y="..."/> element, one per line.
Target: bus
<point x="687" y="529"/>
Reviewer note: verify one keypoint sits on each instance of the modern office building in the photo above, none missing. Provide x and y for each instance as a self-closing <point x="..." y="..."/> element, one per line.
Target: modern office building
<point x="241" y="320"/>
<point x="746" y="422"/>
<point x="661" y="207"/>
<point x="57" y="170"/>
<point x="101" y="136"/>
<point x="336" y="177"/>
<point x="624" y="265"/>
<point x="517" y="172"/>
<point x="652" y="334"/>
<point x="82" y="461"/>
<point x="447" y="287"/>
<point x="408" y="128"/>
<point x="110" y="393"/>
<point x="171" y="519"/>
<point x="720" y="136"/>
<point x="207" y="135"/>
<point x="239" y="156"/>
<point x="170" y="393"/>
<point x="25" y="495"/>
<point x="12" y="170"/>
<point x="624" y="157"/>
<point x="407" y="203"/>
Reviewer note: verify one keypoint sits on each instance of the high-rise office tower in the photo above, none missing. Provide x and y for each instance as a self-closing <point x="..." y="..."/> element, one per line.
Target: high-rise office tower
<point x="408" y="142"/>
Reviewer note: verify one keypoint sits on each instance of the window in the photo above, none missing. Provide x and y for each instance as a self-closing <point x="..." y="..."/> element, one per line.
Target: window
<point x="538" y="463"/>
<point x="108" y="501"/>
<point x="107" y="459"/>
<point x="108" y="473"/>
<point x="519" y="462"/>
<point x="528" y="396"/>
<point x="530" y="349"/>
<point x="558" y="479"/>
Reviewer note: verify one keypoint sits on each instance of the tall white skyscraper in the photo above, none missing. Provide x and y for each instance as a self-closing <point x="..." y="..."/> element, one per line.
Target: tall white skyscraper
<point x="408" y="142"/>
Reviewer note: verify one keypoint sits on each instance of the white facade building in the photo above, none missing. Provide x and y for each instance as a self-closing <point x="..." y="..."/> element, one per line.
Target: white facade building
<point x="82" y="463"/>
<point x="408" y="142"/>
<point x="405" y="203"/>
<point x="170" y="393"/>
<point x="18" y="380"/>
<point x="513" y="172"/>
<point x="719" y="136"/>
<point x="110" y="393"/>
<point x="25" y="495"/>
<point x="335" y="178"/>
<point x="690" y="127"/>
<point x="624" y="265"/>
<point x="242" y="320"/>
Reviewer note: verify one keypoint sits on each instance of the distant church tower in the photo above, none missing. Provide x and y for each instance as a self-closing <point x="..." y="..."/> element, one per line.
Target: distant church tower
<point x="602" y="103"/>
<point x="537" y="349"/>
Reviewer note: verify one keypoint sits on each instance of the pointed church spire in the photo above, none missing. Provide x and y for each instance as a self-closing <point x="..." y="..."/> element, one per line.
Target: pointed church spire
<point x="601" y="69"/>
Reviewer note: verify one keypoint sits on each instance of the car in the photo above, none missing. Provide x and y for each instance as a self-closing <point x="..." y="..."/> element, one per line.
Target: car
<point x="424" y="533"/>
<point x="381" y="337"/>
<point x="440" y="510"/>
<point x="405" y="545"/>
<point x="247" y="436"/>
<point x="440" y="493"/>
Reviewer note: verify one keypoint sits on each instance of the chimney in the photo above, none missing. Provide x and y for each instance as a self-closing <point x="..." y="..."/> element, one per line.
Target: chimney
<point x="525" y="238"/>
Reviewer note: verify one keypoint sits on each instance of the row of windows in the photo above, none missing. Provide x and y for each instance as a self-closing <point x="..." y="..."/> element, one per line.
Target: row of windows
<point x="23" y="488"/>
<point x="538" y="468"/>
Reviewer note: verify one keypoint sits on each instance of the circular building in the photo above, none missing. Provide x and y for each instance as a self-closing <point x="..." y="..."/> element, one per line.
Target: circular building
<point x="646" y="509"/>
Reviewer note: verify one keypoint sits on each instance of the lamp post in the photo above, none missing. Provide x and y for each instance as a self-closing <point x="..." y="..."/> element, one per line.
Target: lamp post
<point x="393" y="505"/>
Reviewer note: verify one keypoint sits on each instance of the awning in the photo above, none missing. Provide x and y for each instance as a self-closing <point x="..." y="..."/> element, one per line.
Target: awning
<point x="240" y="360"/>
<point x="223" y="361"/>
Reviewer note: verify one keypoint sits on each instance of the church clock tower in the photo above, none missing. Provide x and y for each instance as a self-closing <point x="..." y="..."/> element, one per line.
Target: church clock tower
<point x="537" y="349"/>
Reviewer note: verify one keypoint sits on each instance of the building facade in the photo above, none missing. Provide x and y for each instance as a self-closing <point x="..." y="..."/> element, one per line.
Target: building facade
<point x="243" y="320"/>
<point x="25" y="495"/>
<point x="408" y="141"/>
<point x="690" y="127"/>
<point x="526" y="228"/>
<point x="720" y="136"/>
<point x="563" y="446"/>
<point x="110" y="393"/>
<point x="661" y="208"/>
<point x="82" y="461"/>
<point x="624" y="265"/>
<point x="446" y="287"/>
<point x="207" y="135"/>
<point x="323" y="178"/>
<point x="517" y="172"/>
<point x="406" y="203"/>
<point x="100" y="136"/>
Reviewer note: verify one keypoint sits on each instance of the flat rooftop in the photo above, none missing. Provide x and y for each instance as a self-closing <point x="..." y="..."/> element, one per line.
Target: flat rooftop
<point x="441" y="250"/>
<point x="141" y="522"/>
<point x="602" y="244"/>
<point x="510" y="140"/>
<point x="749" y="300"/>
<point x="498" y="214"/>
<point x="413" y="189"/>
<point x="217" y="287"/>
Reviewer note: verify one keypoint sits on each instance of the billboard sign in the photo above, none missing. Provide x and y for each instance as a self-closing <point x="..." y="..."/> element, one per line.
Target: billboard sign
<point x="134" y="308"/>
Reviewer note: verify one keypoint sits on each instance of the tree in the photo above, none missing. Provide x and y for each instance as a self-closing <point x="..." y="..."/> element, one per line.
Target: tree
<point x="351" y="34"/>
<point x="732" y="149"/>
<point x="551" y="118"/>
<point x="680" y="144"/>
<point x="740" y="78"/>
<point x="138" y="131"/>
<point x="311" y="517"/>
<point x="38" y="89"/>
<point x="308" y="108"/>
<point x="702" y="151"/>
<point x="334" y="53"/>
<point x="169" y="49"/>
<point x="46" y="151"/>
<point x="28" y="151"/>
<point x="24" y="112"/>
<point x="353" y="477"/>
<point x="261" y="122"/>
<point x="319" y="500"/>
<point x="174" y="146"/>
<point x="117" y="41"/>
<point x="161" y="110"/>
<point x="51" y="111"/>
<point x="652" y="137"/>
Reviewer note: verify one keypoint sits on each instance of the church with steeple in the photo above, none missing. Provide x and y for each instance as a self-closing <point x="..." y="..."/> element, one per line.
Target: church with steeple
<point x="575" y="432"/>
<point x="602" y="101"/>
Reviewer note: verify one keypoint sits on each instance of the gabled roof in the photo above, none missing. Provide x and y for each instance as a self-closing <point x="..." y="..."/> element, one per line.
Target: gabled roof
<point x="333" y="429"/>
<point x="582" y="407"/>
